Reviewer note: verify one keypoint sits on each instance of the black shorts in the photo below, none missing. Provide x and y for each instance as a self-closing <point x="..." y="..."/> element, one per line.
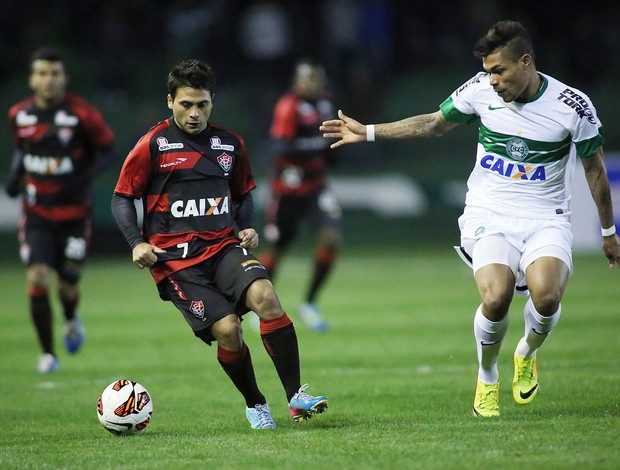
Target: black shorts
<point x="60" y="245"/>
<point x="286" y="212"/>
<point x="211" y="290"/>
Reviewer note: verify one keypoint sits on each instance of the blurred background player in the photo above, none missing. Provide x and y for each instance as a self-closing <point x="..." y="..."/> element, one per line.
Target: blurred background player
<point x="61" y="143"/>
<point x="299" y="188"/>
<point x="195" y="181"/>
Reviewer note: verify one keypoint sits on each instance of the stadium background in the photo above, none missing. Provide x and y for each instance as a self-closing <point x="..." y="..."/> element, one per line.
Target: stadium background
<point x="386" y="60"/>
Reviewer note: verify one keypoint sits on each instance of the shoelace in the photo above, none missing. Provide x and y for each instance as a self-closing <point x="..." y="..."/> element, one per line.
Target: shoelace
<point x="526" y="372"/>
<point x="264" y="416"/>
<point x="302" y="395"/>
<point x="487" y="398"/>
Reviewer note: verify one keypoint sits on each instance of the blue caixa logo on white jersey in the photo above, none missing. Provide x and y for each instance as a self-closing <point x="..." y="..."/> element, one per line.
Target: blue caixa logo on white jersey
<point x="518" y="150"/>
<point x="513" y="170"/>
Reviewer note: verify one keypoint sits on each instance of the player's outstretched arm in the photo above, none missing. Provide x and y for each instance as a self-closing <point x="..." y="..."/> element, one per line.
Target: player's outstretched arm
<point x="596" y="176"/>
<point x="349" y="131"/>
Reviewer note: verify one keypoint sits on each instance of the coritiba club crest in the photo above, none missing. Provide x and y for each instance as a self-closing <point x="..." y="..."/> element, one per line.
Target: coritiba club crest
<point x="517" y="149"/>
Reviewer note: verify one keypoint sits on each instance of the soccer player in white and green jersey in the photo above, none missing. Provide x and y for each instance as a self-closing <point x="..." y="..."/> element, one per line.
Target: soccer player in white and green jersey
<point x="515" y="229"/>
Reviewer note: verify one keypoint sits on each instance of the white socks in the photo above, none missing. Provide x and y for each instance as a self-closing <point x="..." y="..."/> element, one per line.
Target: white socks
<point x="537" y="328"/>
<point x="489" y="336"/>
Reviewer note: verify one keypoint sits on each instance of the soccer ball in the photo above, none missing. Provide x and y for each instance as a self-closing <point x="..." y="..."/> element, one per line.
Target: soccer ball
<point x="124" y="407"/>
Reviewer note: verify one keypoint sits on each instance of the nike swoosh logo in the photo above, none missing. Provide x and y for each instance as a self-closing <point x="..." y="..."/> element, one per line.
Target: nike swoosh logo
<point x="485" y="343"/>
<point x="526" y="395"/>
<point x="493" y="108"/>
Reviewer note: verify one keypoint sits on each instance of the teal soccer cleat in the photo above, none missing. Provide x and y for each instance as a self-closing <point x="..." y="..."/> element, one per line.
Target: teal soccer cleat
<point x="303" y="406"/>
<point x="260" y="417"/>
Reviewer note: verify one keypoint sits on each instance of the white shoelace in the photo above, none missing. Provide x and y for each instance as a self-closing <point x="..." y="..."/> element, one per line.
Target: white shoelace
<point x="264" y="416"/>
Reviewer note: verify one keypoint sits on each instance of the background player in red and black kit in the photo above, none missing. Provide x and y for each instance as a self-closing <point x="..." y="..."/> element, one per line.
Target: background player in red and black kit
<point x="61" y="143"/>
<point x="299" y="187"/>
<point x="194" y="179"/>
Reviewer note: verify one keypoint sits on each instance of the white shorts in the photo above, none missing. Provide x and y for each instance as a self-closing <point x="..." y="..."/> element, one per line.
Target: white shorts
<point x="491" y="238"/>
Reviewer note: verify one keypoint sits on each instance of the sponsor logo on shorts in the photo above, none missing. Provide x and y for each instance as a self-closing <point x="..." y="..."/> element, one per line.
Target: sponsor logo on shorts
<point x="197" y="307"/>
<point x="251" y="264"/>
<point x="513" y="170"/>
<point x="479" y="231"/>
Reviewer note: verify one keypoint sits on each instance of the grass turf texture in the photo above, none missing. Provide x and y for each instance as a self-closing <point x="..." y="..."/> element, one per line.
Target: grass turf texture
<point x="398" y="366"/>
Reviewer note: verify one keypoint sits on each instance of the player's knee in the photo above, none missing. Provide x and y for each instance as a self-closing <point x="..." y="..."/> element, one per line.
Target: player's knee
<point x="496" y="304"/>
<point x="546" y="303"/>
<point x="71" y="272"/>
<point x="68" y="291"/>
<point x="330" y="239"/>
<point x="227" y="332"/>
<point x="38" y="276"/>
<point x="262" y="299"/>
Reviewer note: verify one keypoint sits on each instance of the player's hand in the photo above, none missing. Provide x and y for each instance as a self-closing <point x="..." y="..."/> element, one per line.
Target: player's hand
<point x="249" y="238"/>
<point x="145" y="255"/>
<point x="347" y="129"/>
<point x="611" y="248"/>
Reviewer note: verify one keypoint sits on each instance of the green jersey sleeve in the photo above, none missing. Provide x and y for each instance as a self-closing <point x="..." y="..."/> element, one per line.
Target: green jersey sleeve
<point x="454" y="115"/>
<point x="586" y="148"/>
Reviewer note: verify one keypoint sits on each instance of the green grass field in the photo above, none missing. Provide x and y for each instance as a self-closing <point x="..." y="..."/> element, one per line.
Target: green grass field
<point x="398" y="367"/>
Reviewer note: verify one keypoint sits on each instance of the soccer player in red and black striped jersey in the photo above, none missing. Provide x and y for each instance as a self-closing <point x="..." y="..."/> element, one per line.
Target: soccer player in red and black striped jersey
<point x="195" y="183"/>
<point x="299" y="188"/>
<point x="61" y="143"/>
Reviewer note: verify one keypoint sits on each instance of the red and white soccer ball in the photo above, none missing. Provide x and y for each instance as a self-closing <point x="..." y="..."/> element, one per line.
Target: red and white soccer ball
<point x="124" y="407"/>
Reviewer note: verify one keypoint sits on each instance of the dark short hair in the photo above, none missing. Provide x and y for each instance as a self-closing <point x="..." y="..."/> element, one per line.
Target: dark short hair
<point x="191" y="73"/>
<point x="510" y="35"/>
<point x="47" y="53"/>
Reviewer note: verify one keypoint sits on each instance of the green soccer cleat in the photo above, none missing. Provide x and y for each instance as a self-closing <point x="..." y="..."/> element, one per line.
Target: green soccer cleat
<point x="486" y="403"/>
<point x="525" y="382"/>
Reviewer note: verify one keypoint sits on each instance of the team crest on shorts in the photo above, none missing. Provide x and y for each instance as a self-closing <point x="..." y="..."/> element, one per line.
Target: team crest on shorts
<point x="225" y="161"/>
<point x="197" y="307"/>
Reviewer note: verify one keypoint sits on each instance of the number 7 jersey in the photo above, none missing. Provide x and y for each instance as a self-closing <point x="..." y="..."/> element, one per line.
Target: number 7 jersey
<point x="187" y="184"/>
